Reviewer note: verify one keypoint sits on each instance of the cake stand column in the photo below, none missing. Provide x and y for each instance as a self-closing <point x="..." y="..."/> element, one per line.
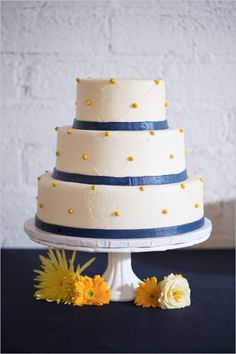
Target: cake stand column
<point x="120" y="276"/>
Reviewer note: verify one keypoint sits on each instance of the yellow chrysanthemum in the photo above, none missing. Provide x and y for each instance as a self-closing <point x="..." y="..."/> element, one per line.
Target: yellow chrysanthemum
<point x="91" y="291"/>
<point x="148" y="293"/>
<point x="55" y="282"/>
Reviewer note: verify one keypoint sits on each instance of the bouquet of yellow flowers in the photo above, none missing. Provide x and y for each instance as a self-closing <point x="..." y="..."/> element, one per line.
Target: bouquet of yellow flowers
<point x="59" y="281"/>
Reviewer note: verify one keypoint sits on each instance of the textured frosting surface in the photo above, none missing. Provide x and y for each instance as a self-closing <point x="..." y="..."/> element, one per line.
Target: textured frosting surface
<point x="128" y="153"/>
<point x="120" y="100"/>
<point x="119" y="207"/>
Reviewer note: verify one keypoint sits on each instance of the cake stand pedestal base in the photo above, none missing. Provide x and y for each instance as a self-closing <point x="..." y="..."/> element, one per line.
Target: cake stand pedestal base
<point x="119" y="274"/>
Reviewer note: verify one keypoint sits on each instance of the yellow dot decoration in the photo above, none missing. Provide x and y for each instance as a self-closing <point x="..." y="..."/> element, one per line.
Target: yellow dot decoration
<point x="39" y="178"/>
<point x="69" y="131"/>
<point x="201" y="179"/>
<point x="157" y="82"/>
<point x="107" y="134"/>
<point x="182" y="186"/>
<point x="164" y="211"/>
<point x="113" y="81"/>
<point x="130" y="158"/>
<point x="196" y="205"/>
<point x="56" y="129"/>
<point x="172" y="156"/>
<point x="58" y="153"/>
<point x="117" y="213"/>
<point x="70" y="211"/>
<point x="78" y="80"/>
<point x="88" y="102"/>
<point x="152" y="132"/>
<point x="141" y="188"/>
<point x="85" y="157"/>
<point x="181" y="130"/>
<point x="93" y="188"/>
<point x="41" y="205"/>
<point x="54" y="184"/>
<point x="134" y="105"/>
<point x="166" y="104"/>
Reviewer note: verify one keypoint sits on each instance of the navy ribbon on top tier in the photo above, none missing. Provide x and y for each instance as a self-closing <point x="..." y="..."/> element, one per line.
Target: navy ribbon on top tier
<point x="119" y="233"/>
<point x="148" y="125"/>
<point x="119" y="181"/>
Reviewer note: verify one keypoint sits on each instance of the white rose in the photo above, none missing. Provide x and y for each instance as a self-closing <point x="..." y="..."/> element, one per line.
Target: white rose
<point x="175" y="292"/>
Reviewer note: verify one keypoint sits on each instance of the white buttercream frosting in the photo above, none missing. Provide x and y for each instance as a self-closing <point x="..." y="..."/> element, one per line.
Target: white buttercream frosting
<point x="119" y="207"/>
<point x="125" y="100"/>
<point x="119" y="154"/>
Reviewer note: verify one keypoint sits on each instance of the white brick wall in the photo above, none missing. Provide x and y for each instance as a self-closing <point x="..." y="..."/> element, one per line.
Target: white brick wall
<point x="46" y="44"/>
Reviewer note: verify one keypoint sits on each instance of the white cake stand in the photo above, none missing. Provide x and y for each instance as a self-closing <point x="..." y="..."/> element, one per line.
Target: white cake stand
<point x="119" y="274"/>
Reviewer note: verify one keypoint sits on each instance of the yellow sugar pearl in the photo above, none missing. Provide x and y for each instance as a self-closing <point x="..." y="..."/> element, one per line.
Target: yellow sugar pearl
<point x="85" y="157"/>
<point x="69" y="131"/>
<point x="141" y="188"/>
<point x="88" y="102"/>
<point x="117" y="213"/>
<point x="134" y="105"/>
<point x="78" y="80"/>
<point x="70" y="211"/>
<point x="182" y="186"/>
<point x="107" y="134"/>
<point x="172" y="156"/>
<point x="201" y="179"/>
<point x="56" y="129"/>
<point x="41" y="205"/>
<point x="39" y="178"/>
<point x="157" y="82"/>
<point x="196" y="205"/>
<point x="113" y="81"/>
<point x="58" y="153"/>
<point x="130" y="158"/>
<point x="93" y="188"/>
<point x="181" y="130"/>
<point x="166" y="104"/>
<point x="152" y="132"/>
<point x="164" y="211"/>
<point x="54" y="184"/>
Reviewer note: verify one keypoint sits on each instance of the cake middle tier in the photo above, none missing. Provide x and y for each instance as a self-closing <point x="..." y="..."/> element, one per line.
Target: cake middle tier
<point x="120" y="153"/>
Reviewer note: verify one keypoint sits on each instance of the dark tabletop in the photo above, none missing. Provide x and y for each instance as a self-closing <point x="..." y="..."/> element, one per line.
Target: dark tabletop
<point x="206" y="326"/>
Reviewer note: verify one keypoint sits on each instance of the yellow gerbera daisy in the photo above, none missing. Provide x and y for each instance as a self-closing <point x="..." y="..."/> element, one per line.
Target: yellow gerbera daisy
<point x="55" y="282"/>
<point x="148" y="293"/>
<point x="91" y="291"/>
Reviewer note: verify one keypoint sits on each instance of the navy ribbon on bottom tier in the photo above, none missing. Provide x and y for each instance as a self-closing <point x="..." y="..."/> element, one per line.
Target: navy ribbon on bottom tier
<point x="118" y="234"/>
<point x="119" y="181"/>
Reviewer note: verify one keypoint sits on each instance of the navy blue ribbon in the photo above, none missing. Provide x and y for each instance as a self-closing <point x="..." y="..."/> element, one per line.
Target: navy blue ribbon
<point x="148" y="125"/>
<point x="118" y="234"/>
<point x="119" y="181"/>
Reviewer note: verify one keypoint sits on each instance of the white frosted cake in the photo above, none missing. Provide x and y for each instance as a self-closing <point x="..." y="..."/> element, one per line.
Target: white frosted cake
<point x="120" y="170"/>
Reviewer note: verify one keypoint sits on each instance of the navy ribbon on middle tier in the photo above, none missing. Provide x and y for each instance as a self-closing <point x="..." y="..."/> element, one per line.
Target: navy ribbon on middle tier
<point x="120" y="181"/>
<point x="122" y="126"/>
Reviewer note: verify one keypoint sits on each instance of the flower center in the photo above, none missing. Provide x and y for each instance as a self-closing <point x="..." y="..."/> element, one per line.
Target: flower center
<point x="152" y="296"/>
<point x="90" y="293"/>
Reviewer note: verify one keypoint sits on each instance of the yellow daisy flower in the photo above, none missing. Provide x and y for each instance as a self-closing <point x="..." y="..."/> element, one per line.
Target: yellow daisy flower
<point x="55" y="282"/>
<point x="148" y="293"/>
<point x="91" y="291"/>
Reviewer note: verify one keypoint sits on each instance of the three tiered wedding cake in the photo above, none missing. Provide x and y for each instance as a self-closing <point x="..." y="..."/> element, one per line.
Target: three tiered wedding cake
<point x="120" y="171"/>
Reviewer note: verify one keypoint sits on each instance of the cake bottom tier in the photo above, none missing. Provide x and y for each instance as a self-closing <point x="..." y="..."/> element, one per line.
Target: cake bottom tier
<point x="119" y="211"/>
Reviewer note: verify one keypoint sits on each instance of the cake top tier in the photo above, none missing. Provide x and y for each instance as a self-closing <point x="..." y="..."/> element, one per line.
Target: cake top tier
<point x="120" y="100"/>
